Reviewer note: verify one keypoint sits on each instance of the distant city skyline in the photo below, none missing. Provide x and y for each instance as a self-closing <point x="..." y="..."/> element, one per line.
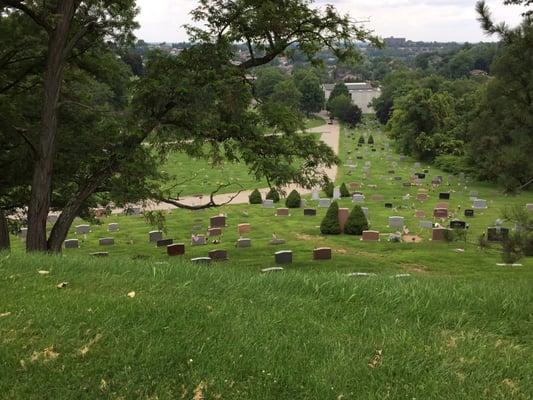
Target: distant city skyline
<point x="417" y="20"/>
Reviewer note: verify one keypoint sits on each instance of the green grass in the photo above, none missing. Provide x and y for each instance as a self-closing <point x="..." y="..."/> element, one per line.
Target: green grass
<point x="245" y="335"/>
<point x="181" y="167"/>
<point x="458" y="327"/>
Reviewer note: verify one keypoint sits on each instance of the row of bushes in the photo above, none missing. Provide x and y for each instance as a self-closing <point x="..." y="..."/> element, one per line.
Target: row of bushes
<point x="356" y="224"/>
<point x="369" y="141"/>
<point x="293" y="200"/>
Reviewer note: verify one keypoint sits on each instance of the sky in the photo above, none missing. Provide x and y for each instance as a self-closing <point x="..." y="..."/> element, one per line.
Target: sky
<point x="427" y="20"/>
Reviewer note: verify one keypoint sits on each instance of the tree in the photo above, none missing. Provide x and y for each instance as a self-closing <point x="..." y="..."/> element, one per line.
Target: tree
<point x="312" y="100"/>
<point x="328" y="189"/>
<point x="361" y="139"/>
<point x="293" y="200"/>
<point x="352" y="115"/>
<point x="370" y="139"/>
<point x="330" y="223"/>
<point x="267" y="80"/>
<point x="68" y="29"/>
<point x="356" y="223"/>
<point x="273" y="195"/>
<point x="344" y="190"/>
<point x="255" y="197"/>
<point x="340" y="89"/>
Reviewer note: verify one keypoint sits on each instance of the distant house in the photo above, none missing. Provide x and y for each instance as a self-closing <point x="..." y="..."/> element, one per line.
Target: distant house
<point x="362" y="93"/>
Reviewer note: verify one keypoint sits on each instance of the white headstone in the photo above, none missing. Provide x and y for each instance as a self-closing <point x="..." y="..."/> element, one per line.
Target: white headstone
<point x="479" y="204"/>
<point x="396" y="222"/>
<point x="358" y="198"/>
<point x="268" y="203"/>
<point x="324" y="203"/>
<point x="336" y="193"/>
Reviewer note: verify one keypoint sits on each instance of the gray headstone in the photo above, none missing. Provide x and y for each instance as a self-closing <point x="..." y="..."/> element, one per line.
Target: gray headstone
<point x="396" y="222"/>
<point x="83" y="229"/>
<point x="324" y="203"/>
<point x="113" y="227"/>
<point x="479" y="204"/>
<point x="106" y="241"/>
<point x="164" y="242"/>
<point x="242" y="243"/>
<point x="426" y="224"/>
<point x="268" y="203"/>
<point x="358" y="198"/>
<point x="72" y="244"/>
<point x="154" y="236"/>
<point x="201" y="260"/>
<point x="283" y="257"/>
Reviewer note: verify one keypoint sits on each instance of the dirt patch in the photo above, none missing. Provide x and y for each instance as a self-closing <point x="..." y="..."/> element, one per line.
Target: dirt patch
<point x="418" y="268"/>
<point x="412" y="239"/>
<point x="309" y="237"/>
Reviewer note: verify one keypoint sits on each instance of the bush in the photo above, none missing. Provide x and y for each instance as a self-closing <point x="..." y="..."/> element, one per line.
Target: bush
<point x="356" y="223"/>
<point x="361" y="139"/>
<point x="344" y="191"/>
<point x="255" y="197"/>
<point x="328" y="189"/>
<point x="370" y="140"/>
<point x="273" y="195"/>
<point x="330" y="223"/>
<point x="293" y="200"/>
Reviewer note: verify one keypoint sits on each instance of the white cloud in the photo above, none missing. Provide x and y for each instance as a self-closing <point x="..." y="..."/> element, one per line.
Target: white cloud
<point x="435" y="20"/>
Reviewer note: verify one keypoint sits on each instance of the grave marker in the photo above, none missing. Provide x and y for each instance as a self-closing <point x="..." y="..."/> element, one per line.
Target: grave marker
<point x="283" y="257"/>
<point x="177" y="249"/>
<point x="322" y="253"/>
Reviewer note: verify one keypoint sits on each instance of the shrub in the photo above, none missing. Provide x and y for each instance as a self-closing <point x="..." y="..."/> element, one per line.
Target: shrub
<point x="328" y="189"/>
<point x="356" y="223"/>
<point x="273" y="195"/>
<point x="361" y="139"/>
<point x="255" y="197"/>
<point x="293" y="200"/>
<point x="330" y="223"/>
<point x="344" y="191"/>
<point x="370" y="140"/>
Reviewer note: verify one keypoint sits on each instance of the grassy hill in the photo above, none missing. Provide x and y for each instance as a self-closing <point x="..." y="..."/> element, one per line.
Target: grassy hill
<point x="227" y="332"/>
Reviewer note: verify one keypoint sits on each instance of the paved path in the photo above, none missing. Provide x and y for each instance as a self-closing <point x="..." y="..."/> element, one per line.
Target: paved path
<point x="330" y="135"/>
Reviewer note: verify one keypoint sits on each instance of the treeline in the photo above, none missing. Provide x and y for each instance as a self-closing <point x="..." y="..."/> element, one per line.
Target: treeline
<point x="480" y="125"/>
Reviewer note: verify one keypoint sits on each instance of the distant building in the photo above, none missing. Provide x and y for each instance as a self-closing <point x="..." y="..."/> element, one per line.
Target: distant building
<point x="362" y="93"/>
<point x="394" y="42"/>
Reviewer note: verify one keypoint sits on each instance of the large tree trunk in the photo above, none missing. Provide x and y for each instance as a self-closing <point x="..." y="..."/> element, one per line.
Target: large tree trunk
<point x="5" y="244"/>
<point x="39" y="204"/>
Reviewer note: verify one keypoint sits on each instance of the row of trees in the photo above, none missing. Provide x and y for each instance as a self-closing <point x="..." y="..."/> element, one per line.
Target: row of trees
<point x="478" y="125"/>
<point x="76" y="130"/>
<point x="340" y="106"/>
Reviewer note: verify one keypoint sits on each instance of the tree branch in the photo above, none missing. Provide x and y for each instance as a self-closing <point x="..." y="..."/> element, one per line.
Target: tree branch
<point x="19" y="5"/>
<point x="210" y="204"/>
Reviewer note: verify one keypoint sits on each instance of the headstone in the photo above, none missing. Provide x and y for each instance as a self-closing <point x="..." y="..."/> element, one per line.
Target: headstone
<point x="164" y="242"/>
<point x="83" y="229"/>
<point x="268" y="203"/>
<point x="396" y="222"/>
<point x="457" y="224"/>
<point x="397" y="178"/>
<point x="444" y="196"/>
<point x="336" y="193"/>
<point x="243" y="242"/>
<point x="479" y="204"/>
<point x="218" y="255"/>
<point x="529" y="206"/>
<point x="283" y="257"/>
<point x="106" y="241"/>
<point x="282" y="212"/>
<point x="72" y="244"/>
<point x="322" y="253"/>
<point x="315" y="195"/>
<point x="358" y="198"/>
<point x="177" y="249"/>
<point x="440" y="213"/>
<point x="100" y="254"/>
<point x="201" y="260"/>
<point x="417" y="165"/>
<point x="218" y="221"/>
<point x="497" y="234"/>
<point x="422" y="197"/>
<point x="244" y="228"/>
<point x="420" y="175"/>
<point x="388" y="205"/>
<point x="154" y="236"/>
<point x="113" y="227"/>
<point x="213" y="232"/>
<point x="469" y="213"/>
<point x="420" y="214"/>
<point x="366" y="211"/>
<point x="324" y="203"/>
<point x="303" y="203"/>
<point x="23" y="234"/>
<point x="343" y="215"/>
<point x="439" y="234"/>
<point x="272" y="269"/>
<point x="309" y="212"/>
<point x="370" y="236"/>
<point x="426" y="224"/>
<point x="198" y="240"/>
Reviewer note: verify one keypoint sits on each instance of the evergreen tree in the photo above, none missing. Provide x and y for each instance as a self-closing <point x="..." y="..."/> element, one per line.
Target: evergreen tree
<point x="370" y="140"/>
<point x="357" y="222"/>
<point x="330" y="223"/>
<point x="344" y="190"/>
<point x="255" y="197"/>
<point x="328" y="189"/>
<point x="293" y="200"/>
<point x="361" y="139"/>
<point x="273" y="195"/>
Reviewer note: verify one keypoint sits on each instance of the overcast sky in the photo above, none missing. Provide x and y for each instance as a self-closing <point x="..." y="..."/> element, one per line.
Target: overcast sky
<point x="428" y="20"/>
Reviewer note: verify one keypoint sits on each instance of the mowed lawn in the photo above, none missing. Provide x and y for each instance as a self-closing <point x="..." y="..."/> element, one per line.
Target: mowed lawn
<point x="181" y="168"/>
<point x="430" y="321"/>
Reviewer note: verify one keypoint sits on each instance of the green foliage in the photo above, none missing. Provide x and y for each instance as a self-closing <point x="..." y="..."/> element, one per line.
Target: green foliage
<point x="328" y="189"/>
<point x="293" y="200"/>
<point x="267" y="80"/>
<point x="255" y="197"/>
<point x="273" y="195"/>
<point x="339" y="90"/>
<point x="356" y="223"/>
<point x="342" y="108"/>
<point x="330" y="223"/>
<point x="361" y="139"/>
<point x="344" y="190"/>
<point x="157" y="219"/>
<point x="519" y="242"/>
<point x="370" y="139"/>
<point x="312" y="95"/>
